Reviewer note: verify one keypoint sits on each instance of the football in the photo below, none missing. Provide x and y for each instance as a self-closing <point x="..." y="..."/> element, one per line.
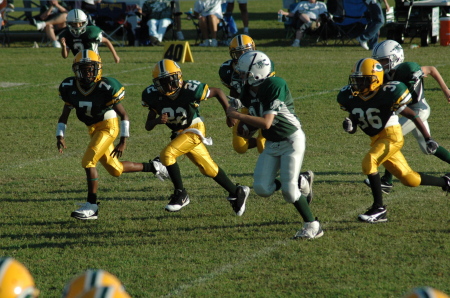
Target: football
<point x="245" y="130"/>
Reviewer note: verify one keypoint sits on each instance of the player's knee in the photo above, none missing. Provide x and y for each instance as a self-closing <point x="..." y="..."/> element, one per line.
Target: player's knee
<point x="239" y="148"/>
<point x="289" y="197"/>
<point x="240" y="145"/>
<point x="85" y="163"/>
<point x="411" y="179"/>
<point x="263" y="190"/>
<point x="208" y="171"/>
<point x="368" y="166"/>
<point x="115" y="172"/>
<point x="167" y="157"/>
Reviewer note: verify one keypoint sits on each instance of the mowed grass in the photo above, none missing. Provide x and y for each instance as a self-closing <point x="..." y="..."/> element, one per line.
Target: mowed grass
<point x="205" y="250"/>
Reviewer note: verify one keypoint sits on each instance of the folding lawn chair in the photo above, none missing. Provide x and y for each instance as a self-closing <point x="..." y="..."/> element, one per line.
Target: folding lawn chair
<point x="111" y="18"/>
<point x="350" y="17"/>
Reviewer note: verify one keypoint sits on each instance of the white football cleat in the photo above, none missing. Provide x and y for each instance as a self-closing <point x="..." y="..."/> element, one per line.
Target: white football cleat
<point x="161" y="171"/>
<point x="86" y="211"/>
<point x="310" y="230"/>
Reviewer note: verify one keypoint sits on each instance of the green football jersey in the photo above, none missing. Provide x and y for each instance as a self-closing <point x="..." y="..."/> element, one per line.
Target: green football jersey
<point x="227" y="73"/>
<point x="92" y="104"/>
<point x="411" y="74"/>
<point x="273" y="97"/>
<point x="89" y="40"/>
<point x="374" y="111"/>
<point x="182" y="110"/>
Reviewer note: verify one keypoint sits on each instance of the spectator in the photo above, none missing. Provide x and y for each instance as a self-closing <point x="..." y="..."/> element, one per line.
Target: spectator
<point x="10" y="4"/>
<point x="243" y="9"/>
<point x="288" y="3"/>
<point x="52" y="18"/>
<point x="157" y="14"/>
<point x="306" y="15"/>
<point x="209" y="14"/>
<point x="369" y="38"/>
<point x="177" y="18"/>
<point x="89" y="6"/>
<point x="79" y="32"/>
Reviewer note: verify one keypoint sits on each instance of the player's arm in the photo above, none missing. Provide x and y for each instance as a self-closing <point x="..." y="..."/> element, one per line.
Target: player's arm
<point x="111" y="48"/>
<point x="264" y="122"/>
<point x="222" y="98"/>
<point x="64" y="49"/>
<point x="432" y="146"/>
<point x="61" y="128"/>
<point x="124" y="130"/>
<point x="411" y="115"/>
<point x="153" y="119"/>
<point x="433" y="72"/>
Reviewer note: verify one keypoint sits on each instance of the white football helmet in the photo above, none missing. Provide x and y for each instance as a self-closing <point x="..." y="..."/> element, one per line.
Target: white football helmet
<point x="77" y="16"/>
<point x="391" y="50"/>
<point x="254" y="67"/>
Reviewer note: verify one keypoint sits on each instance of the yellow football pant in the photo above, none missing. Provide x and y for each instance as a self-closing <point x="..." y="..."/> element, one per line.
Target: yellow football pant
<point x="101" y="145"/>
<point x="190" y="144"/>
<point x="385" y="150"/>
<point x="240" y="144"/>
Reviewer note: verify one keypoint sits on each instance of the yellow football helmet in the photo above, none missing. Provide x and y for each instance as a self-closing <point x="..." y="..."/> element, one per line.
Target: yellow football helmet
<point x="426" y="292"/>
<point x="87" y="66"/>
<point x="15" y="280"/>
<point x="91" y="279"/>
<point x="105" y="292"/>
<point x="167" y="77"/>
<point x="239" y="45"/>
<point x="367" y="76"/>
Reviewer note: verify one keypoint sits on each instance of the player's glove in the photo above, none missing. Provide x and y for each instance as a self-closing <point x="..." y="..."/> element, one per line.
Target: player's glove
<point x="235" y="103"/>
<point x="347" y="124"/>
<point x="432" y="146"/>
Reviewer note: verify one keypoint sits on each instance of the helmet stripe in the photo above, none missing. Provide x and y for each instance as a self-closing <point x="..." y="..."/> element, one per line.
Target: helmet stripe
<point x="92" y="278"/>
<point x="359" y="64"/>
<point x="161" y="66"/>
<point x="240" y="41"/>
<point x="251" y="63"/>
<point x="377" y="46"/>
<point x="4" y="264"/>
<point x="105" y="292"/>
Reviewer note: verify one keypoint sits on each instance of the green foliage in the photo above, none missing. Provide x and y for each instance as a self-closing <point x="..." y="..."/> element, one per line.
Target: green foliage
<point x="204" y="250"/>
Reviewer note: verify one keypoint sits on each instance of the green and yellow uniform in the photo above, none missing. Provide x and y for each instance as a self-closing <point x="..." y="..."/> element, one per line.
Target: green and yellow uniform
<point x="377" y="116"/>
<point x="188" y="129"/>
<point x="94" y="107"/>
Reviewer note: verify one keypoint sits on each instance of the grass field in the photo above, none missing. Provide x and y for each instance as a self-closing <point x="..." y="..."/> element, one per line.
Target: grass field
<point x="205" y="250"/>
